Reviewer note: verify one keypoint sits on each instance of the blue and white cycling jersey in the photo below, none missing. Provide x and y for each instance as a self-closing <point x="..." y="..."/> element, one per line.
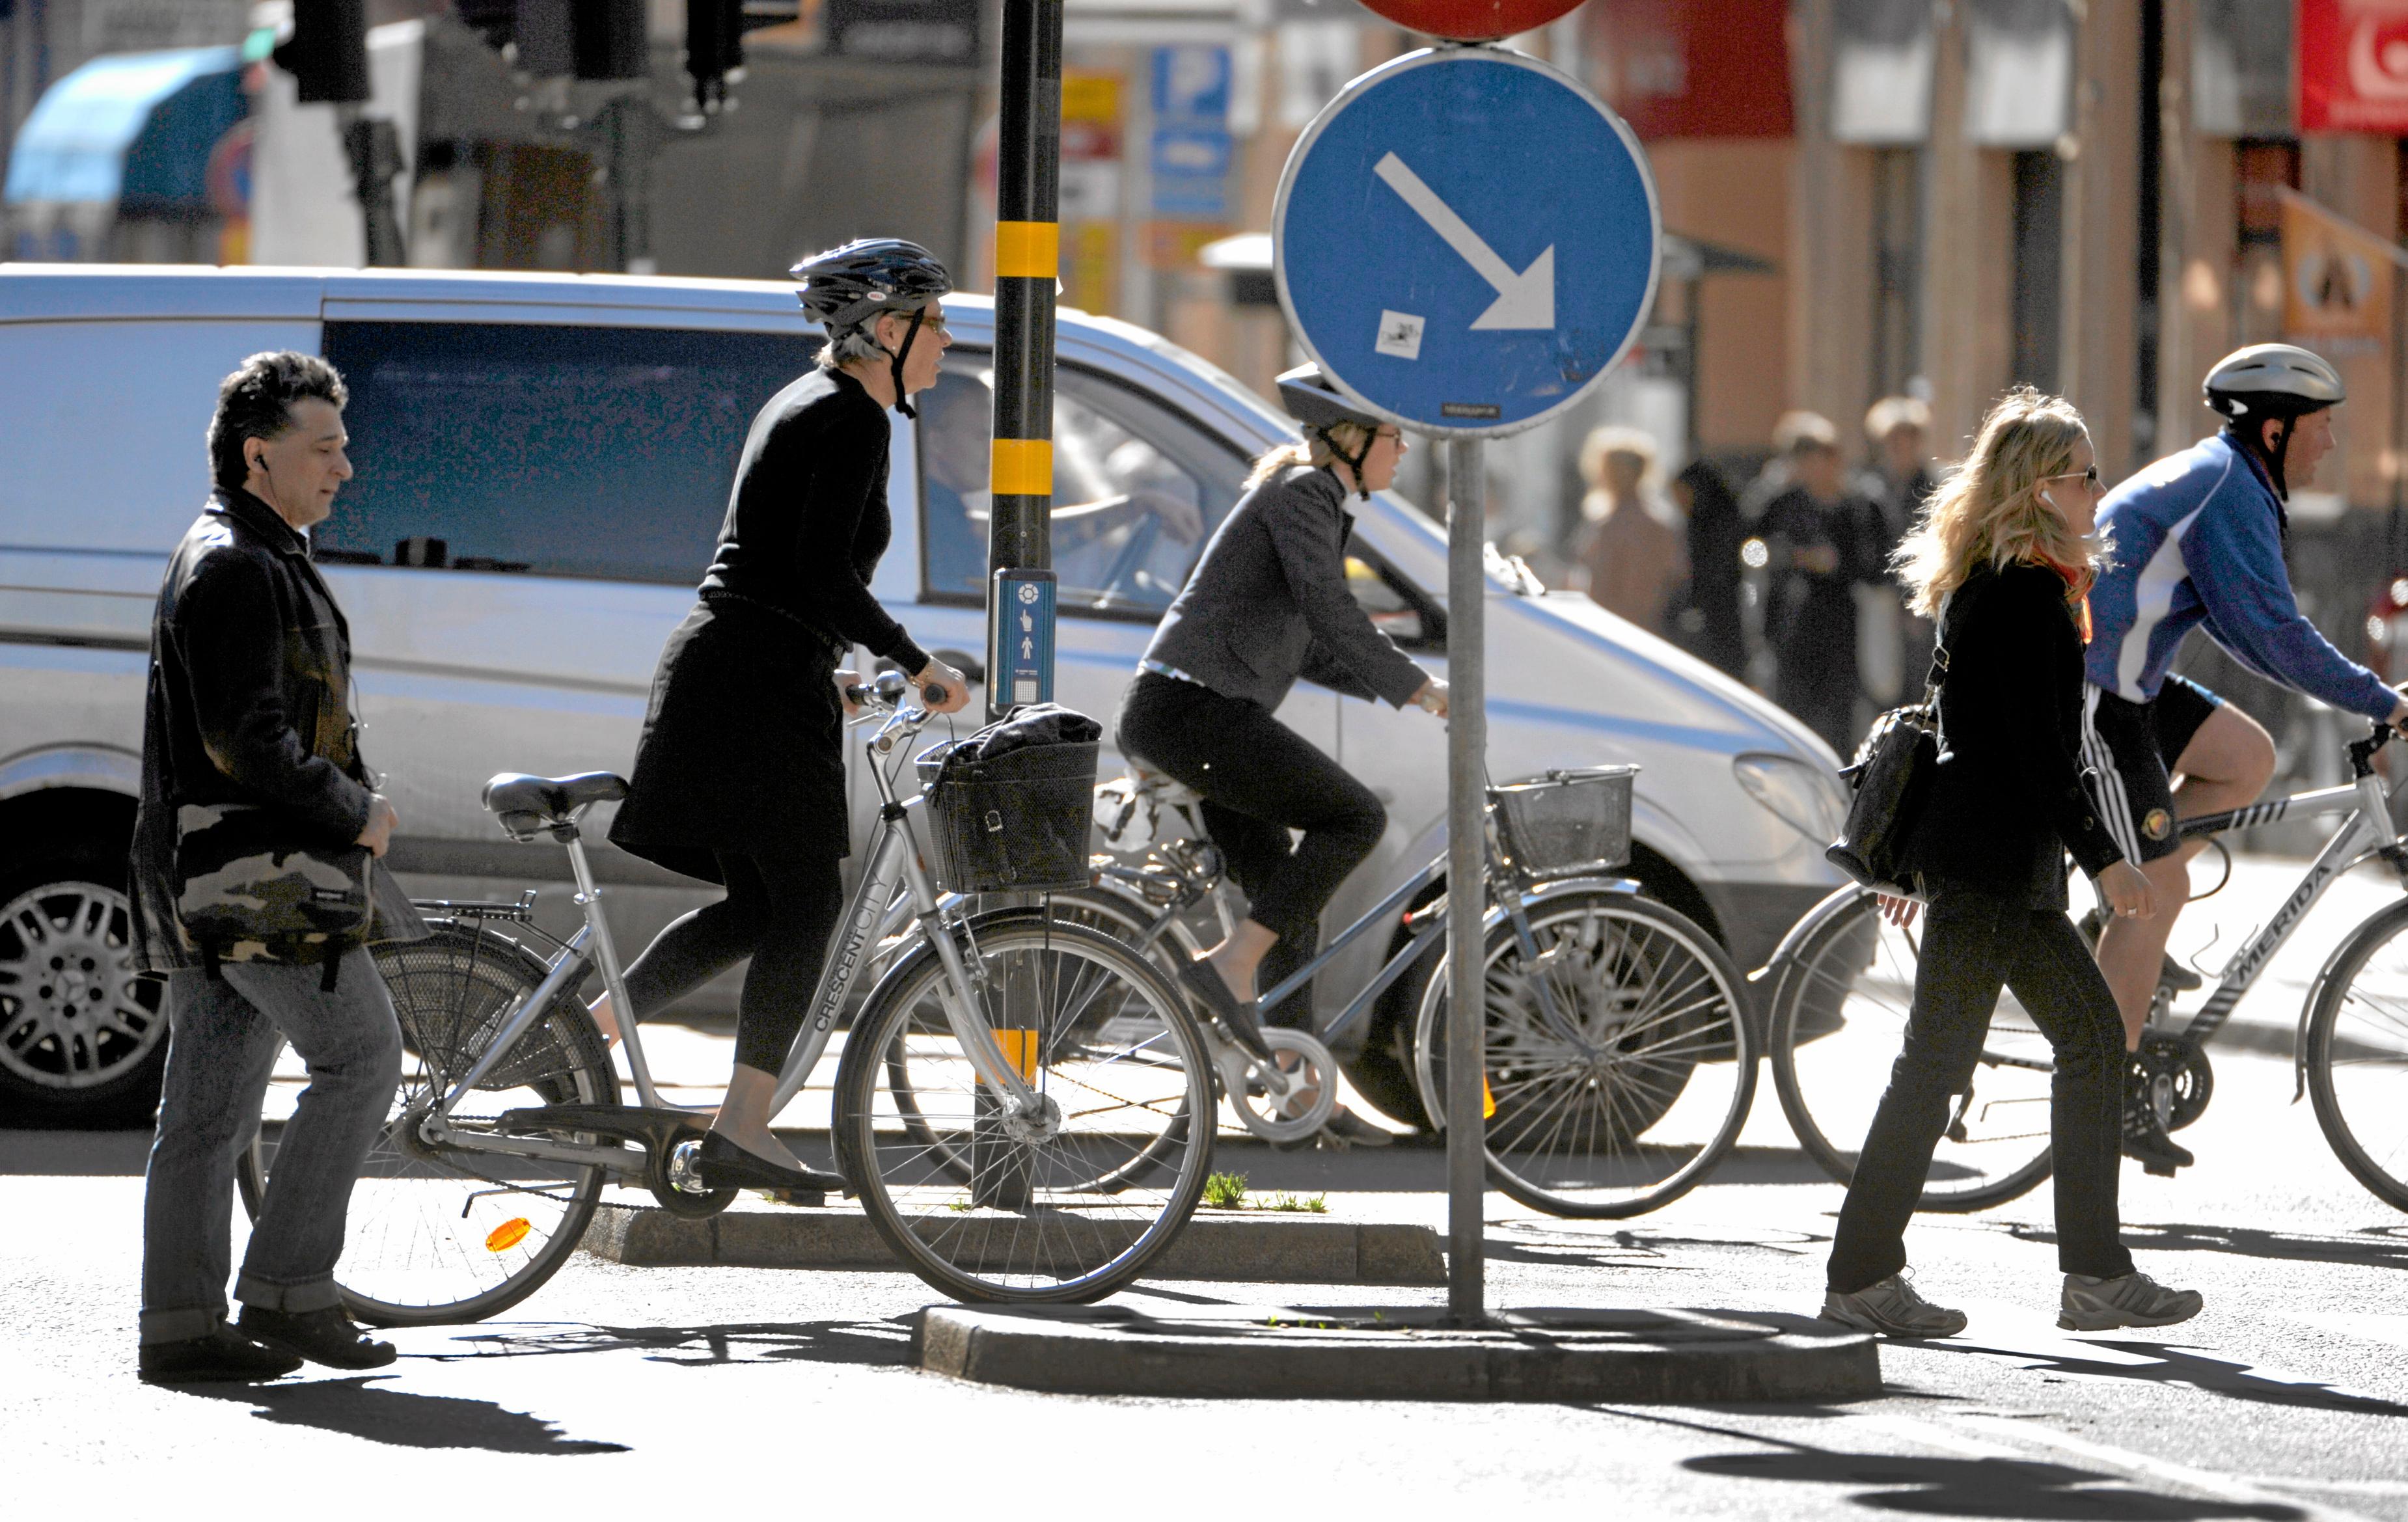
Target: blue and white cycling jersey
<point x="2195" y="540"/>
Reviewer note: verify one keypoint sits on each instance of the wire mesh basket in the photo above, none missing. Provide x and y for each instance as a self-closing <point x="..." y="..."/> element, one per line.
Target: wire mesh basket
<point x="1567" y="822"/>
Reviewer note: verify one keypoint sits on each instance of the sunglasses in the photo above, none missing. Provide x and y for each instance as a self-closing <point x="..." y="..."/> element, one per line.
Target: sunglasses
<point x="2088" y="477"/>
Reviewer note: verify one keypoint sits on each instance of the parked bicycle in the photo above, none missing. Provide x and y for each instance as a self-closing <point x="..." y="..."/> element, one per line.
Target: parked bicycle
<point x="1619" y="1069"/>
<point x="1018" y="1101"/>
<point x="1843" y="979"/>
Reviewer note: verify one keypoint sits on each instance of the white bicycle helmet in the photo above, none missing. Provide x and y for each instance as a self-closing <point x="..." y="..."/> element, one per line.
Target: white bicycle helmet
<point x="2271" y="382"/>
<point x="1312" y="401"/>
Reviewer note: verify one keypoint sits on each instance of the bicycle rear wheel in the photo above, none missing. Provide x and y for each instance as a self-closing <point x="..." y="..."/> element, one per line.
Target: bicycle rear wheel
<point x="437" y="1236"/>
<point x="1075" y="1209"/>
<point x="1627" y="1096"/>
<point x="1839" y="1020"/>
<point x="2358" y="1054"/>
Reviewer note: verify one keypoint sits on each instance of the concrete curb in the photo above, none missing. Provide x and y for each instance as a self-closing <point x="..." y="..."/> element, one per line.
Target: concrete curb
<point x="1246" y="1249"/>
<point x="1274" y="1353"/>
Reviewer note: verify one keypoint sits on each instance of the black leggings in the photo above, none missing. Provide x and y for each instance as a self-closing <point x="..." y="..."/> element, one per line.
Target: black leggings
<point x="1972" y="945"/>
<point x="1259" y="779"/>
<point x="779" y="911"/>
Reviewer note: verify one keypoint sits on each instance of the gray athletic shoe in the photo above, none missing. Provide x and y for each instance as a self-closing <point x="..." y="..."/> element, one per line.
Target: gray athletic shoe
<point x="1893" y="1308"/>
<point x="2134" y="1300"/>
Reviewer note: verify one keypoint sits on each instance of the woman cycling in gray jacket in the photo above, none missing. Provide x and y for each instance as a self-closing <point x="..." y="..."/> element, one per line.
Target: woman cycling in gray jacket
<point x="1268" y="604"/>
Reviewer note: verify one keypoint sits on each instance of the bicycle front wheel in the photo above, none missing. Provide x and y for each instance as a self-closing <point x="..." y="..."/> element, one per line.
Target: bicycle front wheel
<point x="1070" y="1205"/>
<point x="1839" y="1021"/>
<point x="2357" y="1055"/>
<point x="1620" y="1065"/>
<point x="439" y="1236"/>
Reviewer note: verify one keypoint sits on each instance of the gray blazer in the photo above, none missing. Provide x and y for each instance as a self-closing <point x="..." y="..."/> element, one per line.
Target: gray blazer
<point x="1268" y="603"/>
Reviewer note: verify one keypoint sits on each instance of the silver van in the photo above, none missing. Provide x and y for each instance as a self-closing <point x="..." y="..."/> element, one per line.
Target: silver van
<point x="542" y="464"/>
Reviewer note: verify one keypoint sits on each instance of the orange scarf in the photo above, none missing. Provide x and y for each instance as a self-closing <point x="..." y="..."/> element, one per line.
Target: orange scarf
<point x="2078" y="592"/>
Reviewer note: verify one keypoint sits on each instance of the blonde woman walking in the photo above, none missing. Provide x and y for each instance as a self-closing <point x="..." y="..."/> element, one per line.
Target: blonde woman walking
<point x="2003" y="558"/>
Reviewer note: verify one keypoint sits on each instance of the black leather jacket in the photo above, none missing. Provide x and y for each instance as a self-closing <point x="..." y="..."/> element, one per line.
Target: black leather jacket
<point x="1268" y="603"/>
<point x="248" y="703"/>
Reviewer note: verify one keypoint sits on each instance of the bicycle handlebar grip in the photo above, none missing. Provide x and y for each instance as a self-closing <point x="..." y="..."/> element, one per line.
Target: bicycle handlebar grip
<point x="934" y="693"/>
<point x="857" y="694"/>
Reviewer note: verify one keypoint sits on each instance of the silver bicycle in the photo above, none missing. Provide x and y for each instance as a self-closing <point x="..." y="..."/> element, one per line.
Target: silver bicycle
<point x="1843" y="979"/>
<point x="1019" y="1101"/>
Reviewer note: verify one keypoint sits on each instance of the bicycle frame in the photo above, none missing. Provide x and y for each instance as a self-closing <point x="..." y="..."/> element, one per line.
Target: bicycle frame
<point x="874" y="913"/>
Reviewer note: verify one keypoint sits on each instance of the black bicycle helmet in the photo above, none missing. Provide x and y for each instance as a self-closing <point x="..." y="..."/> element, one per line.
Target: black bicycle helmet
<point x="847" y="289"/>
<point x="1312" y="400"/>
<point x="2270" y="382"/>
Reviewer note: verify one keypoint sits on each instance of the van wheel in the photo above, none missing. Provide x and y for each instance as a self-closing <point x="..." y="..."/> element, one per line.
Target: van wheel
<point x="83" y="1034"/>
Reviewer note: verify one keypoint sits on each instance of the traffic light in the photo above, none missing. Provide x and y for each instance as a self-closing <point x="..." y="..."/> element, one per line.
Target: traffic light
<point x="607" y="39"/>
<point x="328" y="51"/>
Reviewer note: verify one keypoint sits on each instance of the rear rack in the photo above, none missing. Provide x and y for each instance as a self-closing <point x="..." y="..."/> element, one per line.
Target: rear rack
<point x="520" y="913"/>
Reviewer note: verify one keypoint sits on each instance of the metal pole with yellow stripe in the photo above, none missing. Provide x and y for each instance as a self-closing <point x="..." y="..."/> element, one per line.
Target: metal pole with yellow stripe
<point x="1028" y="249"/>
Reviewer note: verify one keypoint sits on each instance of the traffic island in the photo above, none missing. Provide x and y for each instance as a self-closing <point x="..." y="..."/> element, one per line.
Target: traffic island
<point x="1243" y="1247"/>
<point x="1401" y="1353"/>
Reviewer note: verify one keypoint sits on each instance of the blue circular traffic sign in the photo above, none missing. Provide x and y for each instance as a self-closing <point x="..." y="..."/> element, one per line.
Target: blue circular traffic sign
<point x="1465" y="241"/>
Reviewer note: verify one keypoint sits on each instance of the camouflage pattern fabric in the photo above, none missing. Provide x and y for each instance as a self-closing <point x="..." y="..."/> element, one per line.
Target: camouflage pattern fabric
<point x="246" y="893"/>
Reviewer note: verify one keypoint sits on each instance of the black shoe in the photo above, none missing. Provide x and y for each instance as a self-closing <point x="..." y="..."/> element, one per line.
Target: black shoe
<point x="2145" y="1141"/>
<point x="720" y="1164"/>
<point x="2172" y="975"/>
<point x="328" y="1336"/>
<point x="226" y="1355"/>
<point x="1204" y="980"/>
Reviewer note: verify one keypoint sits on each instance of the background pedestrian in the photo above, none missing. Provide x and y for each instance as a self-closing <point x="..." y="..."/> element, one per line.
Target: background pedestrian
<point x="1710" y="626"/>
<point x="1823" y="541"/>
<point x="1634" y="545"/>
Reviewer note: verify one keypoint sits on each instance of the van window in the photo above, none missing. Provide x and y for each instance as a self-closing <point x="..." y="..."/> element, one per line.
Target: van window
<point x="1398" y="608"/>
<point x="1137" y="490"/>
<point x="587" y="451"/>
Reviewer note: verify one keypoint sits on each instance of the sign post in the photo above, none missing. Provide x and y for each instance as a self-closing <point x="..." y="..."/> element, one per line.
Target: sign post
<point x="1466" y="241"/>
<point x="1027" y="259"/>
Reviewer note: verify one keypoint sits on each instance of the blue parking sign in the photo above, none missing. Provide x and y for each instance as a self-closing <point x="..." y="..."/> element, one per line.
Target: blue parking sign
<point x="1465" y="241"/>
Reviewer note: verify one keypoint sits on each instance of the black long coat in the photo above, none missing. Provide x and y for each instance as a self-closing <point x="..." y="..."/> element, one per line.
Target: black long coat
<point x="742" y="747"/>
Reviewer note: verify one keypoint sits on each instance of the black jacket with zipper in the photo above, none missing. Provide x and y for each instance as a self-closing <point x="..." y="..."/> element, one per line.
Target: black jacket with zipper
<point x="249" y="703"/>
<point x="2010" y="796"/>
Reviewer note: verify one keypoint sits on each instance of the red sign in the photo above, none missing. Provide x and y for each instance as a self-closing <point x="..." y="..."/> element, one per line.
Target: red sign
<point x="2353" y="66"/>
<point x="1472" y="20"/>
<point x="1691" y="68"/>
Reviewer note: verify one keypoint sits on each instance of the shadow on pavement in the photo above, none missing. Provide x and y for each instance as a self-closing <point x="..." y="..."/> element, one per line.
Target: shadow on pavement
<point x="2004" y="1487"/>
<point x="2178" y="1365"/>
<point x="357" y="1408"/>
<point x="2373" y="1247"/>
<point x="871" y="1342"/>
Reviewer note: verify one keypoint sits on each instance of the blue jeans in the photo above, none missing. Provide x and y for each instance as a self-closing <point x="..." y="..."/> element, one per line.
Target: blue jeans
<point x="224" y="1037"/>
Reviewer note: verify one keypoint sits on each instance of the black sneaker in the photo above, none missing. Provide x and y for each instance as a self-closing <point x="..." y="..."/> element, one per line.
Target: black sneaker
<point x="2172" y="975"/>
<point x="2145" y="1141"/>
<point x="327" y="1337"/>
<point x="224" y="1356"/>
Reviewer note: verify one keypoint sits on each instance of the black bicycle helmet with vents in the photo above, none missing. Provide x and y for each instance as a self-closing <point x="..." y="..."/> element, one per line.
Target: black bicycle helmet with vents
<point x="847" y="289"/>
<point x="1312" y="401"/>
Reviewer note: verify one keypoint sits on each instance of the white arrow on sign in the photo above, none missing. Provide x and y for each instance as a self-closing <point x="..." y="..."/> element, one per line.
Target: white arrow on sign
<point x="1526" y="301"/>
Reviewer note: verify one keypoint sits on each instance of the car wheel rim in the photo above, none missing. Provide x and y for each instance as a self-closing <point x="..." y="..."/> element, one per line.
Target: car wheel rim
<point x="75" y="1010"/>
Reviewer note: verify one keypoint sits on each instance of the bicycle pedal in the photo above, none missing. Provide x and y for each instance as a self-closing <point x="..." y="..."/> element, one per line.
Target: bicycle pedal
<point x="2160" y="1171"/>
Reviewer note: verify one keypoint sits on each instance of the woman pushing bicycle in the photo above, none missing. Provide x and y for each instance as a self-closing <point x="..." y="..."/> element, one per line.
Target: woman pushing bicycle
<point x="2003" y="558"/>
<point x="739" y="773"/>
<point x="1267" y="605"/>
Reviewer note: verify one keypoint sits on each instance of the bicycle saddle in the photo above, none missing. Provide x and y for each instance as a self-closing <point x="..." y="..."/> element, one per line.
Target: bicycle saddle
<point x="526" y="804"/>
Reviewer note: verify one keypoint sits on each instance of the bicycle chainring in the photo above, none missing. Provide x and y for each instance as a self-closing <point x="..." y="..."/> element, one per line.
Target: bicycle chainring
<point x="2180" y="1080"/>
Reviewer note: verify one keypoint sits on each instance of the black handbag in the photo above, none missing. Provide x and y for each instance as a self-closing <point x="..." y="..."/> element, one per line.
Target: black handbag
<point x="1892" y="776"/>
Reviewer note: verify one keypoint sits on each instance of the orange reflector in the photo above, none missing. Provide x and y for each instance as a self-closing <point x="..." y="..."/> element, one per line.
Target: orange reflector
<point x="1019" y="1050"/>
<point x="509" y="1234"/>
<point x="1487" y="1100"/>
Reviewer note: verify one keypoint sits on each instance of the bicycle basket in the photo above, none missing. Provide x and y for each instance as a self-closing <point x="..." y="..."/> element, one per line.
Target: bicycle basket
<point x="1015" y="822"/>
<point x="1565" y="822"/>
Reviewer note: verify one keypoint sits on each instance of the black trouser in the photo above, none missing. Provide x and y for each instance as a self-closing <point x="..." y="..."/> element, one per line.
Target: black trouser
<point x="1259" y="779"/>
<point x="1972" y="945"/>
<point x="779" y="911"/>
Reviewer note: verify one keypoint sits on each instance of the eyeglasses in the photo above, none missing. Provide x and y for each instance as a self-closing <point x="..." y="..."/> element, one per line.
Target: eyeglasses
<point x="2088" y="477"/>
<point x="933" y="320"/>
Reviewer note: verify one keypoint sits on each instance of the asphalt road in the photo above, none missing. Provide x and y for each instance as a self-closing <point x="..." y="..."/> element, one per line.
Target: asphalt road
<point x="616" y="1388"/>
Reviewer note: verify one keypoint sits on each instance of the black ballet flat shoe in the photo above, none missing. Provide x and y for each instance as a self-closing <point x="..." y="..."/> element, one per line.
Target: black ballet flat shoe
<point x="223" y="1357"/>
<point x="720" y="1164"/>
<point x="1203" y="979"/>
<point x="325" y="1337"/>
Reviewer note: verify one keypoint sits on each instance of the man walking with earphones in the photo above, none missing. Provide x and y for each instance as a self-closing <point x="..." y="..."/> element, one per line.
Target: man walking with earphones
<point x="256" y="888"/>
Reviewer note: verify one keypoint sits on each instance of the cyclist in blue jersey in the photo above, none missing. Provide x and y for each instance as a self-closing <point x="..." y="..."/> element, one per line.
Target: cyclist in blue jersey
<point x="2197" y="540"/>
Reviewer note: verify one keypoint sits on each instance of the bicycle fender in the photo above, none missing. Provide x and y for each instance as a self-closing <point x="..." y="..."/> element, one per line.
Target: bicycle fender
<point x="1808" y="924"/>
<point x="2376" y="924"/>
<point x="1548" y="892"/>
